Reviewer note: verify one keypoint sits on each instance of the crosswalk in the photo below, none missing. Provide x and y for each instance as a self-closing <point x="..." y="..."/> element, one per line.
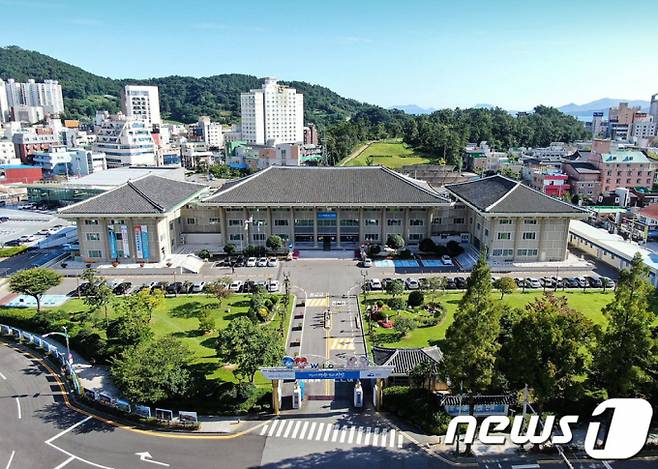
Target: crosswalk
<point x="317" y="302"/>
<point x="333" y="433"/>
<point x="341" y="343"/>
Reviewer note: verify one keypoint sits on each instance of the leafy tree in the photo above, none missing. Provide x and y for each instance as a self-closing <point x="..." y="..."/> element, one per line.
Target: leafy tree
<point x="424" y="374"/>
<point x="549" y="349"/>
<point x="627" y="353"/>
<point x="404" y="325"/>
<point x="395" y="241"/>
<point x="229" y="249"/>
<point x="416" y="298"/>
<point x="153" y="371"/>
<point x="505" y="285"/>
<point x="206" y="320"/>
<point x="146" y="302"/>
<point x="130" y="328"/>
<point x="395" y="288"/>
<point x="248" y="346"/>
<point x="219" y="289"/>
<point x="438" y="283"/>
<point x="427" y="245"/>
<point x="34" y="282"/>
<point x="274" y="242"/>
<point x="478" y="286"/>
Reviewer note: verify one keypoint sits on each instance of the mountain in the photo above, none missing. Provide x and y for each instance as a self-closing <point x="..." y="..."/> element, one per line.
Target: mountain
<point x="413" y="109"/>
<point x="600" y="105"/>
<point x="182" y="98"/>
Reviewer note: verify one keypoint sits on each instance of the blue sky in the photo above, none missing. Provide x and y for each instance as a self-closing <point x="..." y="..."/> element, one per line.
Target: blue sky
<point x="439" y="53"/>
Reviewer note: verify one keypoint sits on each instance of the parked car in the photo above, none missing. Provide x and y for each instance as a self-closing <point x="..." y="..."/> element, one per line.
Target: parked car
<point x="386" y="281"/>
<point x="446" y="260"/>
<point x="13" y="242"/>
<point x="532" y="282"/>
<point x="162" y="286"/>
<point x="175" y="288"/>
<point x="236" y="286"/>
<point x="239" y="261"/>
<point x="273" y="262"/>
<point x="197" y="287"/>
<point x="547" y="282"/>
<point x="412" y="284"/>
<point x="122" y="288"/>
<point x="273" y="286"/>
<point x="375" y="284"/>
<point x="27" y="238"/>
<point x="460" y="282"/>
<point x="423" y="283"/>
<point x="559" y="281"/>
<point x="367" y="262"/>
<point x="4" y="219"/>
<point x="582" y="282"/>
<point x="113" y="283"/>
<point x="43" y="232"/>
<point x="262" y="262"/>
<point x="451" y="284"/>
<point x="608" y="282"/>
<point x="519" y="281"/>
<point x="594" y="282"/>
<point x="570" y="282"/>
<point x="251" y="262"/>
<point x="248" y="287"/>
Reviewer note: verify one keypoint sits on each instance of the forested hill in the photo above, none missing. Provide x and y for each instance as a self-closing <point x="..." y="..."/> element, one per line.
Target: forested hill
<point x="182" y="99"/>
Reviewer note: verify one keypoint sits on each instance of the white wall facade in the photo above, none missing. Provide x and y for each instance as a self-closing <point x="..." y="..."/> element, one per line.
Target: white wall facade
<point x="141" y="103"/>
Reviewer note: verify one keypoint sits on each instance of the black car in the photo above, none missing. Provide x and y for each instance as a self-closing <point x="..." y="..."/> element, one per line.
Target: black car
<point x="4" y="219"/>
<point x="570" y="282"/>
<point x="451" y="284"/>
<point x="186" y="287"/>
<point x="594" y="282"/>
<point x="162" y="286"/>
<point x="239" y="261"/>
<point x="460" y="282"/>
<point x="248" y="287"/>
<point x="13" y="242"/>
<point x="122" y="288"/>
<point x="174" y="288"/>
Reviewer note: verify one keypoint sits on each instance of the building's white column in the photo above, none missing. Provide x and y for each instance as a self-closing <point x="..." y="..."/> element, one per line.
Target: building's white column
<point x="337" y="227"/>
<point x="315" y="227"/>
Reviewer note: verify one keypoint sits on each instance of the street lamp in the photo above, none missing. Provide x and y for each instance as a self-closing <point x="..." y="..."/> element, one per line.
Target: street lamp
<point x="364" y="288"/>
<point x="64" y="334"/>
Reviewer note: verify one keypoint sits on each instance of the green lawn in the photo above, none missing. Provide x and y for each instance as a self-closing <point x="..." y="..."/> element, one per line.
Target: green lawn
<point x="176" y="316"/>
<point x="390" y="154"/>
<point x="588" y="303"/>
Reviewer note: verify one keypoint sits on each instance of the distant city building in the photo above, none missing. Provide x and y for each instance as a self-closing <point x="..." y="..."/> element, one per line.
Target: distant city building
<point x="583" y="178"/>
<point x="28" y="143"/>
<point x="644" y="128"/>
<point x="8" y="153"/>
<point x="85" y="162"/>
<point x="29" y="114"/>
<point x="598" y="129"/>
<point x="620" y="121"/>
<point x="24" y="101"/>
<point x="555" y="151"/>
<point x="141" y="103"/>
<point x="272" y="114"/>
<point x="60" y="161"/>
<point x="621" y="168"/>
<point x="653" y="107"/>
<point x="211" y="133"/>
<point x="19" y="174"/>
<point x="553" y="183"/>
<point x="125" y="142"/>
<point x="311" y="135"/>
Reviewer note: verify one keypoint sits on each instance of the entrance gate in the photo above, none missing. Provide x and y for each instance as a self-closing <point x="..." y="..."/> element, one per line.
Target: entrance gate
<point x="277" y="374"/>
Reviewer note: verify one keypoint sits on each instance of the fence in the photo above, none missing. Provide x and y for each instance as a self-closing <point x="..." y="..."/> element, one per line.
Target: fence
<point x="105" y="401"/>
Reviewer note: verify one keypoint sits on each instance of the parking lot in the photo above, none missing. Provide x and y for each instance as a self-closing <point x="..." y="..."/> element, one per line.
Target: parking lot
<point x="21" y="223"/>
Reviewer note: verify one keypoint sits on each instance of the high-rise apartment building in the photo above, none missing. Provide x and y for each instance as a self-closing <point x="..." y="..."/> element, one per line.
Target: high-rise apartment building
<point x="141" y="103"/>
<point x="125" y="142"/>
<point x="272" y="114"/>
<point x="653" y="107"/>
<point x="30" y="95"/>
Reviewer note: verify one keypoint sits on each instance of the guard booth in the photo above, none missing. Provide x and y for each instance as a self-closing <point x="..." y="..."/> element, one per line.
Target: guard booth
<point x="355" y="369"/>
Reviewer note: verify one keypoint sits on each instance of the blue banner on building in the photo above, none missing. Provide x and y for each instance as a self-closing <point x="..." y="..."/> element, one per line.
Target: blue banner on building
<point x="326" y="215"/>
<point x="112" y="237"/>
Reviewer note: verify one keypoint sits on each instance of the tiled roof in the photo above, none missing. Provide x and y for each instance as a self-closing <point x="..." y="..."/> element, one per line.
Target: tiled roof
<point x="624" y="156"/>
<point x="650" y="211"/>
<point x="326" y="186"/>
<point x="509" y="399"/>
<point x="148" y="195"/>
<point x="584" y="168"/>
<point x="405" y="360"/>
<point x="498" y="194"/>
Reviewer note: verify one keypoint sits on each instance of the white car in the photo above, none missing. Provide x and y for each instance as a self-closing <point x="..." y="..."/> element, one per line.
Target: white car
<point x="273" y="287"/>
<point x="251" y="262"/>
<point x="446" y="260"/>
<point x="532" y="283"/>
<point x="197" y="287"/>
<point x="235" y="286"/>
<point x="262" y="262"/>
<point x="27" y="238"/>
<point x="582" y="282"/>
<point x="375" y="284"/>
<point x="412" y="284"/>
<point x="367" y="262"/>
<point x="272" y="262"/>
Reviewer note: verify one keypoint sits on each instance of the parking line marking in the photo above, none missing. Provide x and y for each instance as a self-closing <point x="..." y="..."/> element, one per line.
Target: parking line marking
<point x="351" y="437"/>
<point x="311" y="430"/>
<point x="327" y="432"/>
<point x="319" y="434"/>
<point x="3" y="376"/>
<point x="294" y="432"/>
<point x="392" y="440"/>
<point x="292" y="424"/>
<point x="359" y="435"/>
<point x="18" y="406"/>
<point x="400" y="440"/>
<point x="304" y="427"/>
<point x="65" y="462"/>
<point x="64" y="432"/>
<point x="281" y="427"/>
<point x="382" y="441"/>
<point x="11" y="458"/>
<point x="343" y="434"/>
<point x="334" y="437"/>
<point x="375" y="437"/>
<point x="366" y="441"/>
<point x="272" y="428"/>
<point x="263" y="430"/>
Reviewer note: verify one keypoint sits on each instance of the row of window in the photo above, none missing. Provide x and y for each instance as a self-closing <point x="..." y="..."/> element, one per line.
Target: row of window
<point x="506" y="235"/>
<point x="510" y="252"/>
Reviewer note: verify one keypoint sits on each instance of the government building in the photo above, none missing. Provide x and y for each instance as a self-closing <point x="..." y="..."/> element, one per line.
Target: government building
<point x="328" y="208"/>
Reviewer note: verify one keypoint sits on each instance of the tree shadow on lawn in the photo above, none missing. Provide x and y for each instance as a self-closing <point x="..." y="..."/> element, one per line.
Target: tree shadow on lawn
<point x="186" y="310"/>
<point x="240" y="304"/>
<point x="210" y="342"/>
<point x="187" y="334"/>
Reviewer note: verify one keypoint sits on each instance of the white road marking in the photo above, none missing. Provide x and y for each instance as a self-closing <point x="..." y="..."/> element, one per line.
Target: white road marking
<point x="309" y="436"/>
<point x="303" y="432"/>
<point x="318" y="436"/>
<point x="400" y="440"/>
<point x="343" y="434"/>
<point x="334" y="437"/>
<point x="49" y="442"/>
<point x="272" y="428"/>
<point x="375" y="437"/>
<point x="382" y="441"/>
<point x="263" y="430"/>
<point x="351" y="437"/>
<point x="366" y="441"/>
<point x="281" y="427"/>
<point x="359" y="435"/>
<point x="72" y="458"/>
<point x="327" y="432"/>
<point x="526" y="466"/>
<point x="392" y="440"/>
<point x="294" y="432"/>
<point x="11" y="458"/>
<point x="3" y="376"/>
<point x="606" y="464"/>
<point x="18" y="406"/>
<point x="64" y="432"/>
<point x="292" y="424"/>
